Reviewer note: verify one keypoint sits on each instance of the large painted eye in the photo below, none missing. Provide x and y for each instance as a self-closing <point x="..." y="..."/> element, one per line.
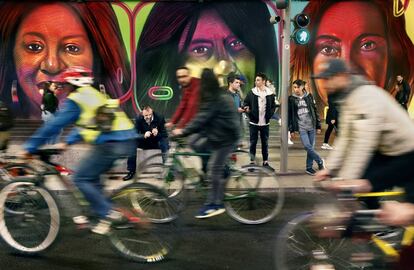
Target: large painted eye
<point x="369" y="46"/>
<point x="34" y="47"/>
<point x="330" y="51"/>
<point x="71" y="48"/>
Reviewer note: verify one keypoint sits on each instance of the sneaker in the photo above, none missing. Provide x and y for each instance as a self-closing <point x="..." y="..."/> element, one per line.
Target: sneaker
<point x="113" y="219"/>
<point x="326" y="146"/>
<point x="310" y="171"/>
<point x="267" y="166"/>
<point x="251" y="169"/>
<point x="129" y="176"/>
<point x="102" y="227"/>
<point x="290" y="142"/>
<point x="211" y="210"/>
<point x="321" y="165"/>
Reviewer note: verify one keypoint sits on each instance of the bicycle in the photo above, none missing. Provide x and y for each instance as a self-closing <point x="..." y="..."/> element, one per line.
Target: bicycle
<point x="33" y="225"/>
<point x="351" y="239"/>
<point x="252" y="193"/>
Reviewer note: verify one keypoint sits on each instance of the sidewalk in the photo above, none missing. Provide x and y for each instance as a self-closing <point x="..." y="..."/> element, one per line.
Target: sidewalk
<point x="294" y="180"/>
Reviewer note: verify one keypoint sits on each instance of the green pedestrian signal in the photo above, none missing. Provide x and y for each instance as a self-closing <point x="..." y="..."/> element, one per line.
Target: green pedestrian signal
<point x="301" y="34"/>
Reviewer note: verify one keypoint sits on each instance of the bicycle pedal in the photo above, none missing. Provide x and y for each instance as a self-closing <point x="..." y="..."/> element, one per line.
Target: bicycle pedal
<point x="124" y="226"/>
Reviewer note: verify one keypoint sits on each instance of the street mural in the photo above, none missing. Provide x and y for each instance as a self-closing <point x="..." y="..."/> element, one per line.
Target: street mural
<point x="134" y="47"/>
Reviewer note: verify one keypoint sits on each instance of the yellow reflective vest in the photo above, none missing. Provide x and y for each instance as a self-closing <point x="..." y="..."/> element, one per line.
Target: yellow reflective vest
<point x="89" y="100"/>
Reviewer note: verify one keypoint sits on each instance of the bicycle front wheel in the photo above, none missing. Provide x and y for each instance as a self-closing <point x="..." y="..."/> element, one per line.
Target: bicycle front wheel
<point x="253" y="195"/>
<point x="143" y="240"/>
<point x="299" y="247"/>
<point x="29" y="218"/>
<point x="171" y="181"/>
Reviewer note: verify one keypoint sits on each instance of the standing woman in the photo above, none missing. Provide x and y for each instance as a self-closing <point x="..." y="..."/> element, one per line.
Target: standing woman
<point x="50" y="104"/>
<point x="332" y="122"/>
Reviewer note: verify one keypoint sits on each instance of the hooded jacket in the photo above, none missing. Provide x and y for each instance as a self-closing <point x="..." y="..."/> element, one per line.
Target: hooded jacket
<point x="371" y="122"/>
<point x="218" y="120"/>
<point x="252" y="100"/>
<point x="293" y="111"/>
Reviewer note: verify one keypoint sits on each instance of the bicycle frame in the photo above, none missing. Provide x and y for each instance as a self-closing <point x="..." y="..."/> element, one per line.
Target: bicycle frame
<point x="385" y="246"/>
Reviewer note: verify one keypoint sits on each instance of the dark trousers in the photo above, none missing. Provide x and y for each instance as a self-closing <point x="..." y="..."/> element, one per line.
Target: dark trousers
<point x="264" y="138"/>
<point x="162" y="145"/>
<point x="329" y="131"/>
<point x="199" y="143"/>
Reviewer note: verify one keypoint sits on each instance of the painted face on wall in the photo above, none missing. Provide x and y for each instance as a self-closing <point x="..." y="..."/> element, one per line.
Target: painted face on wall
<point x="213" y="42"/>
<point x="49" y="39"/>
<point x="355" y="32"/>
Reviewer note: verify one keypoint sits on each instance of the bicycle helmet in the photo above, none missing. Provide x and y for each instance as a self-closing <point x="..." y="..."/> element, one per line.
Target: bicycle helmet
<point x="78" y="76"/>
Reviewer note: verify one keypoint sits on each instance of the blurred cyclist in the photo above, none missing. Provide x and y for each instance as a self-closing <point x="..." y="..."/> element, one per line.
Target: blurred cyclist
<point x="217" y="127"/>
<point x="109" y="143"/>
<point x="376" y="142"/>
<point x="375" y="147"/>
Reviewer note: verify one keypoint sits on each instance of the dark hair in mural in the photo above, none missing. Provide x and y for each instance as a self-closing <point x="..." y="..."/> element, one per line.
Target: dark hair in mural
<point x="110" y="62"/>
<point x="159" y="53"/>
<point x="400" y="47"/>
<point x="209" y="86"/>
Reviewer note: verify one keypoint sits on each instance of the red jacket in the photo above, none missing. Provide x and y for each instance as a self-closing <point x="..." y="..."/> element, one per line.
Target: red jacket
<point x="188" y="106"/>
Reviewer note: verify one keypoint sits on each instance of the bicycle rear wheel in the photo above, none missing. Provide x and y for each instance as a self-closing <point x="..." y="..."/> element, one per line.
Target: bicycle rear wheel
<point x="169" y="180"/>
<point x="143" y="240"/>
<point x="253" y="195"/>
<point x="29" y="218"/>
<point x="17" y="170"/>
<point x="299" y="247"/>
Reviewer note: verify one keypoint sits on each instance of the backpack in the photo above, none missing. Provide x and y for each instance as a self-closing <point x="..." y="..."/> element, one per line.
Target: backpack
<point x="6" y="117"/>
<point x="105" y="115"/>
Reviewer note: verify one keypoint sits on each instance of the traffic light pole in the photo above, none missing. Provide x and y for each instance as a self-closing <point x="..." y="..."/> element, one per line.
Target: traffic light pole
<point x="285" y="89"/>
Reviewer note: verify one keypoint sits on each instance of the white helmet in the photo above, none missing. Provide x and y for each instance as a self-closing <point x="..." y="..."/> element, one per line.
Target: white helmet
<point x="78" y="75"/>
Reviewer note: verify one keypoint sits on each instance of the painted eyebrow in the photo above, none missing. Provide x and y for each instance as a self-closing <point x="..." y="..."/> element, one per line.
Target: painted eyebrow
<point x="328" y="37"/>
<point x="370" y="35"/>
<point x="363" y="35"/>
<point x="43" y="37"/>
<point x="201" y="40"/>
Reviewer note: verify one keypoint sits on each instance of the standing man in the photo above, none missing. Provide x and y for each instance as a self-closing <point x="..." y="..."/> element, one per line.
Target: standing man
<point x="233" y="83"/>
<point x="403" y="94"/>
<point x="304" y="119"/>
<point x="153" y="135"/>
<point x="260" y="106"/>
<point x="188" y="106"/>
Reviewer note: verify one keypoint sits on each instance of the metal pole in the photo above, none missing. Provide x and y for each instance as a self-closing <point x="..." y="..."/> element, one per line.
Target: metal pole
<point x="285" y="90"/>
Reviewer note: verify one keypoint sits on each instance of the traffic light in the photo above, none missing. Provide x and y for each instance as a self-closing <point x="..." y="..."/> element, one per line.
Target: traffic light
<point x="301" y="34"/>
<point x="282" y="4"/>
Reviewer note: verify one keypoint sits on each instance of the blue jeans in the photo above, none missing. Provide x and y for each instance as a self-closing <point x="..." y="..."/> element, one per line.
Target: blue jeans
<point x="163" y="146"/>
<point x="98" y="161"/>
<point x="47" y="117"/>
<point x="308" y="141"/>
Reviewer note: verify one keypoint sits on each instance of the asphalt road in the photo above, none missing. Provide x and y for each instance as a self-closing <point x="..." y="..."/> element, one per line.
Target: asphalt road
<point x="218" y="243"/>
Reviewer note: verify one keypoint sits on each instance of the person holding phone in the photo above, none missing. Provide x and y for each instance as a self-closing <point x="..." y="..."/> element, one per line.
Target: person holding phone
<point x="260" y="106"/>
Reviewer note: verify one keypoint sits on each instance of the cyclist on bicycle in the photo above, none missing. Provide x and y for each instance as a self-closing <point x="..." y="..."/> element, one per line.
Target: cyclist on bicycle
<point x="80" y="108"/>
<point x="218" y="123"/>
<point x="375" y="148"/>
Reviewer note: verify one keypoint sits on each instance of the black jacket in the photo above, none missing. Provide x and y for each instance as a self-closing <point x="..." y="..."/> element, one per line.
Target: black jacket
<point x="251" y="100"/>
<point x="403" y="94"/>
<point x="332" y="113"/>
<point x="293" y="112"/>
<point x="141" y="127"/>
<point x="50" y="101"/>
<point x="218" y="120"/>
